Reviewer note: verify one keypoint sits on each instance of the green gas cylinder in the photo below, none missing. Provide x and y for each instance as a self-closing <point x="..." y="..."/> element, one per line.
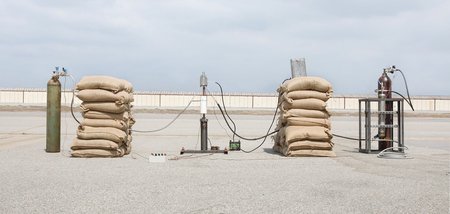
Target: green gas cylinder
<point x="53" y="114"/>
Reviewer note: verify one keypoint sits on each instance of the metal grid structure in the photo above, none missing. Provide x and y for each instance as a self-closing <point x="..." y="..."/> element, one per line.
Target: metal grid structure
<point x="366" y="126"/>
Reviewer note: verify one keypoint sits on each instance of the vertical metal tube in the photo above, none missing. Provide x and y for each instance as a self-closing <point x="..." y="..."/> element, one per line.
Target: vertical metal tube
<point x="401" y="116"/>
<point x="53" y="115"/>
<point x="204" y="128"/>
<point x="360" y="125"/>
<point x="367" y="126"/>
<point x="204" y="133"/>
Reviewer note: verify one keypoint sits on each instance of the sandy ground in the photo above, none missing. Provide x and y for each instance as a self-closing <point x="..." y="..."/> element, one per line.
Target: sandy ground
<point x="33" y="181"/>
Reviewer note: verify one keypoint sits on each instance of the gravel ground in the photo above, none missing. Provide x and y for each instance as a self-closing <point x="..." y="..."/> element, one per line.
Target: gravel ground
<point x="33" y="181"/>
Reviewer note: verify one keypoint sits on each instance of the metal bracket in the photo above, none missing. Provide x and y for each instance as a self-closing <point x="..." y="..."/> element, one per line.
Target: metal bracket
<point x="225" y="151"/>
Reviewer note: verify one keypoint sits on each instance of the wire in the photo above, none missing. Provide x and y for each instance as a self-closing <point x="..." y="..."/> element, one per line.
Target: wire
<point x="73" y="99"/>
<point x="245" y="138"/>
<point x="409" y="102"/>
<point x="407" y="90"/>
<point x="233" y="130"/>
<point x="234" y="125"/>
<point x="273" y="120"/>
<point x="215" y="115"/>
<point x="394" y="154"/>
<point x="348" y="138"/>
<point x="170" y="123"/>
<point x="223" y="103"/>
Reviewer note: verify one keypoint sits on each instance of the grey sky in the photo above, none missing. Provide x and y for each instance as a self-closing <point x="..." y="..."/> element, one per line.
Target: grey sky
<point x="244" y="45"/>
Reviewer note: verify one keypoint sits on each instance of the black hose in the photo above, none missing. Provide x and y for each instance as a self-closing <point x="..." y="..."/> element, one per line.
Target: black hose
<point x="407" y="90"/>
<point x="348" y="138"/>
<point x="234" y="132"/>
<point x="407" y="101"/>
<point x="223" y="103"/>
<point x="71" y="106"/>
<point x="225" y="115"/>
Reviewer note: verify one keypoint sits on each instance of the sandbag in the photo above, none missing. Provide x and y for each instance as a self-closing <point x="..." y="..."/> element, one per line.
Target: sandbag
<point x="306" y="83"/>
<point x="279" y="137"/>
<point x="104" y="82"/>
<point x="310" y="104"/>
<point x="315" y="133"/>
<point x="90" y="153"/>
<point x="94" y="144"/>
<point x="125" y="116"/>
<point x="308" y="153"/>
<point x="309" y="145"/>
<point x="305" y="94"/>
<point x="305" y="113"/>
<point x="277" y="148"/>
<point x="104" y="107"/>
<point x="128" y="149"/>
<point x="113" y="134"/>
<point x="119" y="124"/>
<point x="100" y="95"/>
<point x="131" y="121"/>
<point x="305" y="121"/>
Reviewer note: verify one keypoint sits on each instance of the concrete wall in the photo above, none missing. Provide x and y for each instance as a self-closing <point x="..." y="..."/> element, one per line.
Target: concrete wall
<point x="232" y="100"/>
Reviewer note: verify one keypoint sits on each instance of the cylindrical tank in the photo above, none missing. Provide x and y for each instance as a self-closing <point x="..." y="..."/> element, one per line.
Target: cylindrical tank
<point x="53" y="115"/>
<point x="385" y="108"/>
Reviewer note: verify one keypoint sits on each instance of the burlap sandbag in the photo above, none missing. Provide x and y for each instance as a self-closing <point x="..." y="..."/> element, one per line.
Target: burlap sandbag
<point x="304" y="113"/>
<point x="307" y="153"/>
<point x="100" y="95"/>
<point x="125" y="116"/>
<point x="305" y="121"/>
<point x="91" y="133"/>
<point x="308" y="145"/>
<point x="306" y="83"/>
<point x="104" y="107"/>
<point x="315" y="133"/>
<point x="310" y="104"/>
<point x="128" y="149"/>
<point x="305" y="94"/>
<point x="104" y="82"/>
<point x="94" y="144"/>
<point x="91" y="153"/>
<point x="119" y="124"/>
<point x="131" y="121"/>
<point x="279" y="137"/>
<point x="277" y="148"/>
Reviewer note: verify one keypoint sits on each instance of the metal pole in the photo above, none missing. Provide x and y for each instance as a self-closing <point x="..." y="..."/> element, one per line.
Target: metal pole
<point x="401" y="134"/>
<point x="368" y="126"/>
<point x="298" y="67"/>
<point x="204" y="128"/>
<point x="359" y="113"/>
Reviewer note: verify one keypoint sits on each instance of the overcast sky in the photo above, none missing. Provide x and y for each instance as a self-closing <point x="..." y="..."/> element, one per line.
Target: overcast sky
<point x="244" y="45"/>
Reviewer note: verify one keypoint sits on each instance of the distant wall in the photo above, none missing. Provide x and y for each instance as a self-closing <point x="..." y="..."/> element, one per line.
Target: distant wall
<point x="232" y="100"/>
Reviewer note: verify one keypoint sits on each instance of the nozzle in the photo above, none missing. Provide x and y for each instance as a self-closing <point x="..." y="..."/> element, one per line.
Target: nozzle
<point x="391" y="69"/>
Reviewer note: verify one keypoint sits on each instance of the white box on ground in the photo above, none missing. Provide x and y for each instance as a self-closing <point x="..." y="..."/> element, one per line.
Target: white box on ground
<point x="157" y="158"/>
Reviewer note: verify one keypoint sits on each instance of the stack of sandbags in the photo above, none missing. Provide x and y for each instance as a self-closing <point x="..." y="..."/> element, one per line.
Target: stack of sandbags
<point x="107" y="120"/>
<point x="304" y="120"/>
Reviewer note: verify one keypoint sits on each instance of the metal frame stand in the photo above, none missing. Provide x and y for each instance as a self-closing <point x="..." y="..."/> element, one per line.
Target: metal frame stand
<point x="365" y="142"/>
<point x="204" y="125"/>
